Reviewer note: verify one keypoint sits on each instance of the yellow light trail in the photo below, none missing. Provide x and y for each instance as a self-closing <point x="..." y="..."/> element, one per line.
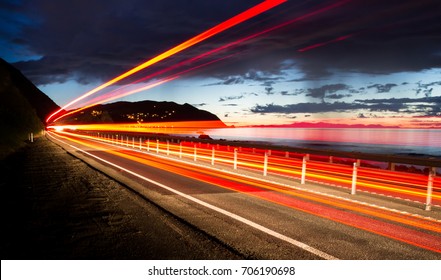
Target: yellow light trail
<point x="252" y="12"/>
<point x="222" y="179"/>
<point x="149" y="86"/>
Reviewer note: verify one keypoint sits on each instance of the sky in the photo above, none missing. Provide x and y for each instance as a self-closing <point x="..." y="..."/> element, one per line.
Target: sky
<point x="342" y="61"/>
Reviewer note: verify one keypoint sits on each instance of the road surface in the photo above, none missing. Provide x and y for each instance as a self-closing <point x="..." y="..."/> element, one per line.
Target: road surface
<point x="261" y="219"/>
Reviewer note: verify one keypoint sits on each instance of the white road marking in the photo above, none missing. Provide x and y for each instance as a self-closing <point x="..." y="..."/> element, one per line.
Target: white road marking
<point x="292" y="186"/>
<point x="266" y="230"/>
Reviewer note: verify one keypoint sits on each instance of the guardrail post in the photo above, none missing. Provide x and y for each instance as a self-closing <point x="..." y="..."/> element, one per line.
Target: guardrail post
<point x="180" y="149"/>
<point x="148" y="145"/>
<point x="140" y="143"/>
<point x="303" y="179"/>
<point x="354" y="178"/>
<point x="157" y="146"/>
<point x="391" y="166"/>
<point x="133" y="142"/>
<point x="287" y="154"/>
<point x="127" y="141"/>
<point x="212" y="155"/>
<point x="195" y="152"/>
<point x="168" y="147"/>
<point x="265" y="164"/>
<point x="432" y="173"/>
<point x="235" y="159"/>
<point x="331" y="159"/>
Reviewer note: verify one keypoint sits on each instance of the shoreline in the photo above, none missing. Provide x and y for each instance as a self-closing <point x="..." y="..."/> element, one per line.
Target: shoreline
<point x="420" y="160"/>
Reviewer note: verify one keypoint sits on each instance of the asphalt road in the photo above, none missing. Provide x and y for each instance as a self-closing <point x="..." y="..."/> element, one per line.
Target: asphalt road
<point x="54" y="206"/>
<point x="258" y="221"/>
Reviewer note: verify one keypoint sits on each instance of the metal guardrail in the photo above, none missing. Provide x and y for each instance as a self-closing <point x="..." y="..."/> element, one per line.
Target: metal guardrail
<point x="423" y="188"/>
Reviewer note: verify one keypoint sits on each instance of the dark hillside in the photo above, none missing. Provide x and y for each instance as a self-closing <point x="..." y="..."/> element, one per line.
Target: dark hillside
<point x="43" y="105"/>
<point x="22" y="108"/>
<point x="142" y="112"/>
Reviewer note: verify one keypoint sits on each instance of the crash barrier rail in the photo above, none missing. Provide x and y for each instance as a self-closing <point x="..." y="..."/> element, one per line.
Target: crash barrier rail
<point x="356" y="175"/>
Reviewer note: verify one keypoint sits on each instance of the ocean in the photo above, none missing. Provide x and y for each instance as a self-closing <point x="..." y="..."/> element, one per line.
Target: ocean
<point x="411" y="142"/>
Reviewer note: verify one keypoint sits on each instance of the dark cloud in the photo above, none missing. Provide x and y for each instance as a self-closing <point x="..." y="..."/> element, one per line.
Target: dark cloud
<point x="355" y="91"/>
<point x="337" y="96"/>
<point x="426" y="89"/>
<point x="236" y="97"/>
<point x="200" y="104"/>
<point x="327" y="91"/>
<point x="229" y="81"/>
<point x="382" y="88"/>
<point x="434" y="100"/>
<point x="92" y="40"/>
<point x="366" y="116"/>
<point x="223" y="99"/>
<point x="427" y="106"/>
<point x="231" y="104"/>
<point x="269" y="90"/>
<point x="387" y="37"/>
<point x="267" y="79"/>
<point x="307" y="108"/>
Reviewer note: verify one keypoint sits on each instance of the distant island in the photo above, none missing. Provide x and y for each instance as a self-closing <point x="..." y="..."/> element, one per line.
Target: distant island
<point x="325" y="125"/>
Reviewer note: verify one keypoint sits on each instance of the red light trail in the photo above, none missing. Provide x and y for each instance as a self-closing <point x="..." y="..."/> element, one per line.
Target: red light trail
<point x="348" y="212"/>
<point x="205" y="35"/>
<point x="397" y="184"/>
<point x="121" y="92"/>
<point x="390" y="183"/>
<point x="252" y="12"/>
<point x="341" y="38"/>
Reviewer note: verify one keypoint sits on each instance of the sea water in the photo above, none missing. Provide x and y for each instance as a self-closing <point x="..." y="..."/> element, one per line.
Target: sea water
<point x="412" y="142"/>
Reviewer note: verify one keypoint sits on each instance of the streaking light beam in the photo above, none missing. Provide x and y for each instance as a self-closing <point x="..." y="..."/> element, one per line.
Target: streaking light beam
<point x="252" y="12"/>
